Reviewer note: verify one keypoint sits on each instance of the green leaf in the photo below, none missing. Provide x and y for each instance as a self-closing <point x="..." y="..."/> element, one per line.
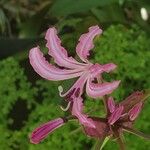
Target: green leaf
<point x="67" y="7"/>
<point x="110" y="13"/>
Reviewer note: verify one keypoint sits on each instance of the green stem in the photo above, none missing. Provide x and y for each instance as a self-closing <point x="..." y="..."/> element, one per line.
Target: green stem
<point x="104" y="98"/>
<point x="100" y="143"/>
<point x="138" y="133"/>
<point x="76" y="131"/>
<point x="119" y="138"/>
<point x="120" y="143"/>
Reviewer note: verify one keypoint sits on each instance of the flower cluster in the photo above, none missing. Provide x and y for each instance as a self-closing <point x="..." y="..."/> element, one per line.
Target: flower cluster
<point x="119" y="116"/>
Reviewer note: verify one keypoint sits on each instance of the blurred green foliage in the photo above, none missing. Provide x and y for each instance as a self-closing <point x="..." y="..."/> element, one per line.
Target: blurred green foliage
<point x="26" y="104"/>
<point x="14" y="87"/>
<point x="28" y="18"/>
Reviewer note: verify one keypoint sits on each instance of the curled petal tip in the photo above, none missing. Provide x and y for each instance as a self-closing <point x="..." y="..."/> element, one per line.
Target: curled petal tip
<point x="115" y="84"/>
<point x="86" y="42"/>
<point x="58" y="52"/>
<point x="109" y="67"/>
<point x="98" y="90"/>
<point x="96" y="28"/>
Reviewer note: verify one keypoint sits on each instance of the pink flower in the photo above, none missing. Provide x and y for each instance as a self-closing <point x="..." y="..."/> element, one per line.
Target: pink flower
<point x="120" y="117"/>
<point x="71" y="68"/>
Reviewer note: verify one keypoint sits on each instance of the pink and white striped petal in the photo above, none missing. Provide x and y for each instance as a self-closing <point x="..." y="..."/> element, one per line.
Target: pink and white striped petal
<point x="58" y="52"/>
<point x="45" y="129"/>
<point x="77" y="110"/>
<point x="109" y="67"/>
<point x="96" y="70"/>
<point x="77" y="89"/>
<point x="111" y="104"/>
<point x="134" y="112"/>
<point x="115" y="115"/>
<point x="95" y="90"/>
<point x="49" y="71"/>
<point x="86" y="42"/>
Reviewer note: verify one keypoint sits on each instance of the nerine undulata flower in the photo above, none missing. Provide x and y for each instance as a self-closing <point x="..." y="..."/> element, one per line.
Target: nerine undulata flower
<point x="71" y="68"/>
<point x="120" y="117"/>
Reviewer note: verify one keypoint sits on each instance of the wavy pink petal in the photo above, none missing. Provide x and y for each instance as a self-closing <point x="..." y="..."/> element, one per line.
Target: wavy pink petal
<point x="42" y="132"/>
<point x="77" y="110"/>
<point x="109" y="67"/>
<point x="86" y="42"/>
<point x="95" y="90"/>
<point x="115" y="115"/>
<point x="134" y="112"/>
<point x="111" y="104"/>
<point x="58" y="52"/>
<point x="49" y="71"/>
<point x="97" y="69"/>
